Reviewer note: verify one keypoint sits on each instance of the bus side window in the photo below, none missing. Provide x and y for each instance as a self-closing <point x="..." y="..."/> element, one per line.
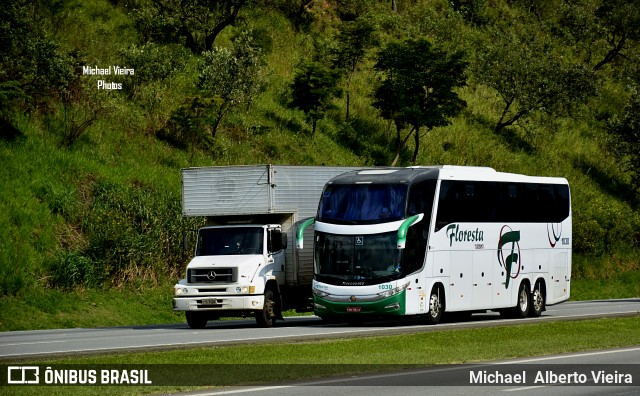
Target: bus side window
<point x="447" y="202"/>
<point x="511" y="203"/>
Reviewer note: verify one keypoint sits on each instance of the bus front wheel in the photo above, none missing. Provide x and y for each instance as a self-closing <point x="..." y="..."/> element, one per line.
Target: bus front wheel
<point x="435" y="306"/>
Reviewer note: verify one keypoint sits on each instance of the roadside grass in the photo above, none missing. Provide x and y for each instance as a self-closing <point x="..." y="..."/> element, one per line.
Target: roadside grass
<point x="41" y="309"/>
<point x="348" y="356"/>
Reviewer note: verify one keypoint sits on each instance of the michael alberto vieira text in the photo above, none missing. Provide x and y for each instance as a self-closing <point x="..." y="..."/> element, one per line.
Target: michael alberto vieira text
<point x="549" y="377"/>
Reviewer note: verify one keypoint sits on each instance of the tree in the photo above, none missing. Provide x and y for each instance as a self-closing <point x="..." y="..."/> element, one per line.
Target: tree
<point x="351" y="10"/>
<point x="529" y="77"/>
<point x="296" y="11"/>
<point x="354" y="39"/>
<point x="626" y="134"/>
<point x="233" y="77"/>
<point x="314" y="87"/>
<point x="35" y="64"/>
<point x="620" y="23"/>
<point x="418" y="88"/>
<point x="606" y="30"/>
<point x="197" y="22"/>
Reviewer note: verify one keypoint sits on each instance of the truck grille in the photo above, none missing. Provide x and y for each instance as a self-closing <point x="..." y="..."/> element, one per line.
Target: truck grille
<point x="212" y="275"/>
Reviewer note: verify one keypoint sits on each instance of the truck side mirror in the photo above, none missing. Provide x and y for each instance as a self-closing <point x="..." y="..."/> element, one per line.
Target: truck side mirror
<point x="185" y="241"/>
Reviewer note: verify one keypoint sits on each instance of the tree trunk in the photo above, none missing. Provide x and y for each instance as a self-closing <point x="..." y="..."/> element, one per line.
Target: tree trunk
<point x="417" y="147"/>
<point x="400" y="146"/>
<point x="230" y="18"/>
<point x="612" y="54"/>
<point x="348" y="101"/>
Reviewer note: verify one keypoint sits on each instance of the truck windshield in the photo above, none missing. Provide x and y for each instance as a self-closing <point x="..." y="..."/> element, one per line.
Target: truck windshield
<point x="367" y="259"/>
<point x="362" y="203"/>
<point x="229" y="241"/>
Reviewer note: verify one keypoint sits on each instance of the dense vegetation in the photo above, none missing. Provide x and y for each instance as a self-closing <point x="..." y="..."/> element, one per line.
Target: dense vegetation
<point x="90" y="180"/>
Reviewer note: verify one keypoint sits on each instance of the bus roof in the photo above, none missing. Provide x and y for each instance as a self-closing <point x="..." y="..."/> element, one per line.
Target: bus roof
<point x="443" y="172"/>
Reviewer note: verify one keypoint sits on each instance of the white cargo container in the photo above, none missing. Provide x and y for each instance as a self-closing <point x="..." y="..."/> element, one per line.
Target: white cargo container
<point x="243" y="264"/>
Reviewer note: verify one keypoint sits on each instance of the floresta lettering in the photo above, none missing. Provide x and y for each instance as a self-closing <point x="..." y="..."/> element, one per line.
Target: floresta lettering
<point x="456" y="234"/>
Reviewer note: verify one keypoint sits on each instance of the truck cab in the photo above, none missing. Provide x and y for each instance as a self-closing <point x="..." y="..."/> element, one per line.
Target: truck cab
<point x="237" y="270"/>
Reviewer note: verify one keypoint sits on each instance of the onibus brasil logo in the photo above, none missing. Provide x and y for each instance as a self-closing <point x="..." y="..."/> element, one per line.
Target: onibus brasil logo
<point x="511" y="239"/>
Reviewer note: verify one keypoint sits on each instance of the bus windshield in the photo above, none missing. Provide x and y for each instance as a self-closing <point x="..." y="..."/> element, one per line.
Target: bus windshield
<point x="362" y="203"/>
<point x="367" y="259"/>
<point x="229" y="241"/>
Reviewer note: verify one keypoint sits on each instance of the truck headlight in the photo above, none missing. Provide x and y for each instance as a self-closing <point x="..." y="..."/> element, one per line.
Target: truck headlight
<point x="178" y="291"/>
<point x="246" y="289"/>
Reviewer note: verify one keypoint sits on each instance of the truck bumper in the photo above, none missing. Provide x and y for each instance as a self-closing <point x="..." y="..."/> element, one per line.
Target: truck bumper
<point x="219" y="303"/>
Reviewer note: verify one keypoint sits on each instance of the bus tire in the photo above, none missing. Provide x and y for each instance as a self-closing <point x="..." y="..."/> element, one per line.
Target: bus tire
<point x="436" y="299"/>
<point x="537" y="301"/>
<point x="266" y="317"/>
<point x="521" y="310"/>
<point x="196" y="320"/>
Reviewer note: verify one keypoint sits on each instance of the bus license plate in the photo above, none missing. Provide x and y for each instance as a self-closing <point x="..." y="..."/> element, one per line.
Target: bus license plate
<point x="209" y="301"/>
<point x="354" y="309"/>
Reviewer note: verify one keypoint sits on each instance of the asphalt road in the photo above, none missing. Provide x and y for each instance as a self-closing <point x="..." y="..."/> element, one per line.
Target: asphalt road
<point x="26" y="344"/>
<point x="587" y="368"/>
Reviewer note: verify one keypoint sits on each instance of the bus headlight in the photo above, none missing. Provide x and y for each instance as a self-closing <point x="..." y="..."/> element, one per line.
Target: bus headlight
<point x="393" y="292"/>
<point x="319" y="292"/>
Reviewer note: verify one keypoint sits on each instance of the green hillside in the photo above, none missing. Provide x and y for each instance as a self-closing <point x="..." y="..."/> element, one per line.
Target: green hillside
<point x="90" y="217"/>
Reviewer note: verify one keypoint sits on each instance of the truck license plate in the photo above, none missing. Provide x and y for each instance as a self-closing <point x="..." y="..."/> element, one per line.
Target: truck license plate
<point x="209" y="301"/>
<point x="354" y="309"/>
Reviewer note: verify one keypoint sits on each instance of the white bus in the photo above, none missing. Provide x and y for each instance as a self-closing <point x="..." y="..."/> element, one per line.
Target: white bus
<point x="428" y="240"/>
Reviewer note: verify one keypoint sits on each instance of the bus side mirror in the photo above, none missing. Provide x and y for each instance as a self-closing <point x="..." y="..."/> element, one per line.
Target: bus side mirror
<point x="404" y="229"/>
<point x="284" y="241"/>
<point x="300" y="233"/>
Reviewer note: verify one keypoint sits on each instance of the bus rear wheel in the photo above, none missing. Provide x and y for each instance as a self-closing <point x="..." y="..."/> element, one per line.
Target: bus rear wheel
<point x="537" y="301"/>
<point x="521" y="310"/>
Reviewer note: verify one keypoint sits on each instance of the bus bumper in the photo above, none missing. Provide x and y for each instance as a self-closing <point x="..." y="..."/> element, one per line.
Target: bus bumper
<point x="389" y="306"/>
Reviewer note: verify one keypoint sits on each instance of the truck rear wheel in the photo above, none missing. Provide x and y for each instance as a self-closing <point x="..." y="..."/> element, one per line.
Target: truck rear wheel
<point x="196" y="320"/>
<point x="267" y="316"/>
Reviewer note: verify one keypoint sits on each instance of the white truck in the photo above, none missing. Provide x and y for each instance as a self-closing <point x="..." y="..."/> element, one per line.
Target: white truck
<point x="243" y="263"/>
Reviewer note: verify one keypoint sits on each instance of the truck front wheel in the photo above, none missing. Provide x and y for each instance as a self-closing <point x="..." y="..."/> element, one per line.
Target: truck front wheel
<point x="196" y="320"/>
<point x="267" y="316"/>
